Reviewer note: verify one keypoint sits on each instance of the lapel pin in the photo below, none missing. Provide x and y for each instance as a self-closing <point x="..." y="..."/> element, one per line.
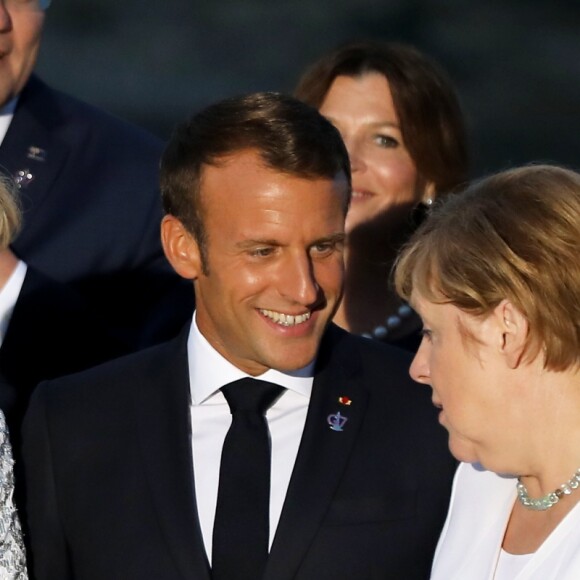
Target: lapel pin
<point x="36" y="153"/>
<point x="345" y="401"/>
<point x="23" y="178"/>
<point x="336" y="421"/>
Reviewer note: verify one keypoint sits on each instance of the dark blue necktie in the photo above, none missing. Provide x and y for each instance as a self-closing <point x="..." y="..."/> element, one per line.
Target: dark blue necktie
<point x="241" y="527"/>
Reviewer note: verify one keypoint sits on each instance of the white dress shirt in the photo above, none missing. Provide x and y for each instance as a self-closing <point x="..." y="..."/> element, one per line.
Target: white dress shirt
<point x="211" y="419"/>
<point x="6" y="114"/>
<point x="9" y="295"/>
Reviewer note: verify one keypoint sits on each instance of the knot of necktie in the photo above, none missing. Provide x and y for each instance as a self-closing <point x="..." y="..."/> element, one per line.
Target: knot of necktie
<point x="251" y="395"/>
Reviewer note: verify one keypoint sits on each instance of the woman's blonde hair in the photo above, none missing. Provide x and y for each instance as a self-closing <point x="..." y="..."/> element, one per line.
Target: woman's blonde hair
<point x="10" y="217"/>
<point x="514" y="235"/>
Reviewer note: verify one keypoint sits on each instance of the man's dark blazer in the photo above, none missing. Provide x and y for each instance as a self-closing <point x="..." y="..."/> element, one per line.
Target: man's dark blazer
<point x="91" y="210"/>
<point x="110" y="486"/>
<point x="51" y="333"/>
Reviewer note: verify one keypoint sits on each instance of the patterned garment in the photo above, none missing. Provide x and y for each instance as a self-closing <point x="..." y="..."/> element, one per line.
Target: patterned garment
<point x="12" y="556"/>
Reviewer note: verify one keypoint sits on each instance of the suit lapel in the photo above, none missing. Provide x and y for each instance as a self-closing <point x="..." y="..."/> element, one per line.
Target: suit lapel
<point x="31" y="152"/>
<point x="322" y="456"/>
<point x="165" y="434"/>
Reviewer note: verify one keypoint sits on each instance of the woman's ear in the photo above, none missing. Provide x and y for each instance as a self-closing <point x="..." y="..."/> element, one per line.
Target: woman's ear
<point x="514" y="329"/>
<point x="425" y="196"/>
<point x="180" y="247"/>
<point x="428" y="193"/>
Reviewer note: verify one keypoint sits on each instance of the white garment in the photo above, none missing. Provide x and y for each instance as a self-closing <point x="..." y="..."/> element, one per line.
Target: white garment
<point x="510" y="565"/>
<point x="9" y="295"/>
<point x="470" y="543"/>
<point x="6" y="115"/>
<point x="211" y="419"/>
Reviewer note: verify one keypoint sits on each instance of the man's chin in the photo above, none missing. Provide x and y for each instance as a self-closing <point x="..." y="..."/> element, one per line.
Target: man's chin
<point x="291" y="364"/>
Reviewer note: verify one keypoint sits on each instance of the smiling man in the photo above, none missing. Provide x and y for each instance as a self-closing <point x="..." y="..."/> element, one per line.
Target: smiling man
<point x="263" y="442"/>
<point x="271" y="275"/>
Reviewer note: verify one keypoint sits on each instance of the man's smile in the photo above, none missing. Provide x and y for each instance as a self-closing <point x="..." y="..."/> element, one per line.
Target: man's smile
<point x="285" y="319"/>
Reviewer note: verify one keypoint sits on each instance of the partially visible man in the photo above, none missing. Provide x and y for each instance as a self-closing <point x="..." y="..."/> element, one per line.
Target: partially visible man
<point x="46" y="329"/>
<point x="129" y="466"/>
<point x="88" y="189"/>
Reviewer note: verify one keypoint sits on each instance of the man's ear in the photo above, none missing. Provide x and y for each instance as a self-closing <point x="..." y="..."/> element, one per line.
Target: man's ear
<point x="514" y="329"/>
<point x="180" y="247"/>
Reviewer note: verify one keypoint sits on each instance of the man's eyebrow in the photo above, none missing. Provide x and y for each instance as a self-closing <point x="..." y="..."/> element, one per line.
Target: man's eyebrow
<point x="337" y="238"/>
<point x="245" y="244"/>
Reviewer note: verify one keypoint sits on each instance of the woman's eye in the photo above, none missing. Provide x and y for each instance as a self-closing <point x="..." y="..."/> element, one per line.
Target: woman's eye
<point x="386" y="141"/>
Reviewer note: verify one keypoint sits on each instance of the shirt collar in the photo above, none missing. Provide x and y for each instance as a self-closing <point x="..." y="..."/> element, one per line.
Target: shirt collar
<point x="209" y="370"/>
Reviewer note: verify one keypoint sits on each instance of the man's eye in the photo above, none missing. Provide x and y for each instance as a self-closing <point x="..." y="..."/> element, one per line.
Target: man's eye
<point x="261" y="252"/>
<point x="426" y="333"/>
<point x="323" y="248"/>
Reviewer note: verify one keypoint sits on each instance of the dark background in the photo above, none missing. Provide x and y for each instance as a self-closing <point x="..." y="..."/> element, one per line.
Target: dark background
<point x="516" y="64"/>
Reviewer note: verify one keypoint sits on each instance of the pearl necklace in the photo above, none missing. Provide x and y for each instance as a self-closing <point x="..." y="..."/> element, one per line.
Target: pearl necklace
<point x="393" y="321"/>
<point x="552" y="498"/>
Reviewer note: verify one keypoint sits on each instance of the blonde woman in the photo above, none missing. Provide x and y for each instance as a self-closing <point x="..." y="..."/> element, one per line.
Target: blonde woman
<point x="12" y="556"/>
<point x="495" y="276"/>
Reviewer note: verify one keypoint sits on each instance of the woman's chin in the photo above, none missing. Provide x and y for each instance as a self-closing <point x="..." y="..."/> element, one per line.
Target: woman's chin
<point x="462" y="449"/>
<point x="380" y="222"/>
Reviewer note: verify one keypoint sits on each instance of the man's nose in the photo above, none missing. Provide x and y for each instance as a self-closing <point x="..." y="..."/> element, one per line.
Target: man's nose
<point x="298" y="281"/>
<point x="5" y="18"/>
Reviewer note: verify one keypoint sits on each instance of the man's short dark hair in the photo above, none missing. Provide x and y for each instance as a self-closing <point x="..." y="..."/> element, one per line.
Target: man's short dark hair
<point x="289" y="136"/>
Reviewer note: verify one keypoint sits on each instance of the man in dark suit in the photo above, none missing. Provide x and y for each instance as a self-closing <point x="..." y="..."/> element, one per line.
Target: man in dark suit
<point x="46" y="329"/>
<point x="51" y="332"/>
<point x="89" y="193"/>
<point x="122" y="462"/>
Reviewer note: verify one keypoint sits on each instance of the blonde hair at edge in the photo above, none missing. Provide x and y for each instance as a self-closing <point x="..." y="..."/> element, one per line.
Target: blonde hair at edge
<point x="514" y="235"/>
<point x="9" y="212"/>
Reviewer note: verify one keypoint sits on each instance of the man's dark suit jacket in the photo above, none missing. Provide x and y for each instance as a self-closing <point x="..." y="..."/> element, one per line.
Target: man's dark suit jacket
<point x="51" y="333"/>
<point x="110" y="486"/>
<point x="92" y="209"/>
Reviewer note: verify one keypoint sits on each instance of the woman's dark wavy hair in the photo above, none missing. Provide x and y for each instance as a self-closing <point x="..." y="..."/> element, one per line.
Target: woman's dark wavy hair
<point x="425" y="100"/>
